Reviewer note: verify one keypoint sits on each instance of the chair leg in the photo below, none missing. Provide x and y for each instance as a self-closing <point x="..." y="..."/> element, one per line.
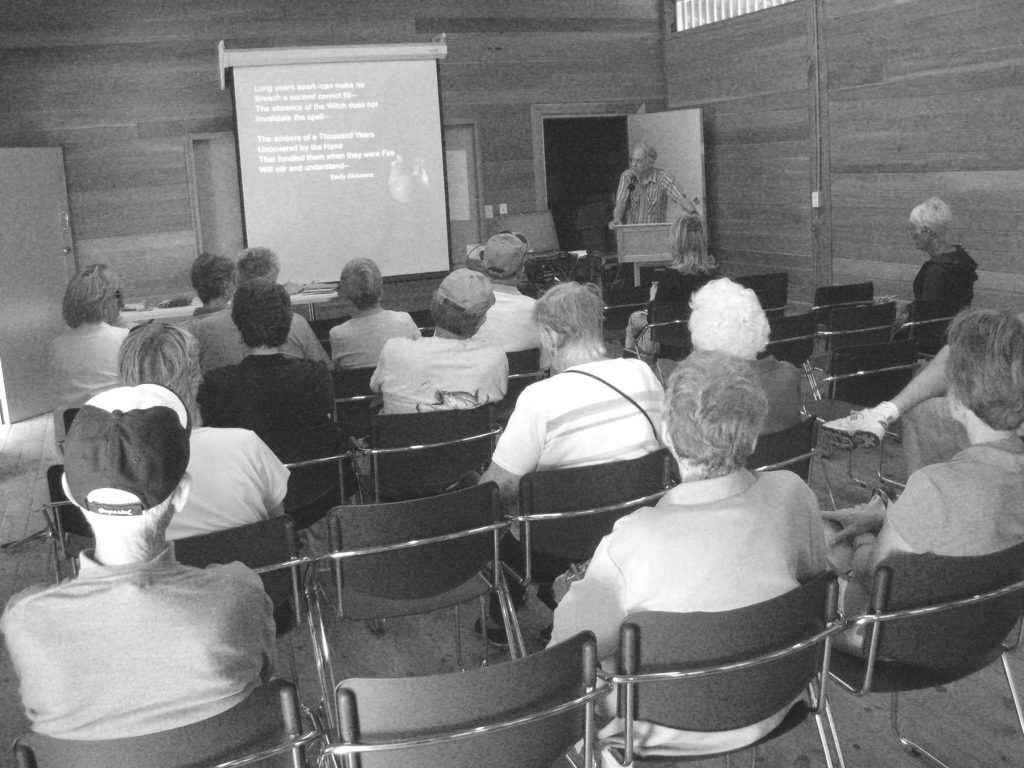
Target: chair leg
<point x="911" y="746"/>
<point x="483" y="625"/>
<point x="835" y="734"/>
<point x="1013" y="691"/>
<point x="458" y="637"/>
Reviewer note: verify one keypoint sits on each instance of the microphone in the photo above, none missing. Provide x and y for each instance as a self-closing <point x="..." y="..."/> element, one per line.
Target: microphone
<point x="632" y="183"/>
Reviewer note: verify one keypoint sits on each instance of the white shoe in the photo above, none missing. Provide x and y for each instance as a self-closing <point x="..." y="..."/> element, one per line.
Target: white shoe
<point x="863" y="429"/>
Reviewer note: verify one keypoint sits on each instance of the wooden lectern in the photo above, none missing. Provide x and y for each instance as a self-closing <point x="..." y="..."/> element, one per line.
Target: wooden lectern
<point x="643" y="244"/>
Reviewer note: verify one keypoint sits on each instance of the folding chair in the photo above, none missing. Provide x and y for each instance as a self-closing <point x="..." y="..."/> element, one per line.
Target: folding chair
<point x="265" y="729"/>
<point x="772" y="291"/>
<point x="63" y="519"/>
<point x="717" y="671"/>
<point x="862" y="376"/>
<point x="264" y="543"/>
<point x="352" y="400"/>
<point x="564" y="513"/>
<point x="846" y="295"/>
<point x="526" y="713"/>
<point x="523" y="370"/>
<point x="417" y="556"/>
<point x="792" y="448"/>
<point x="926" y="324"/>
<point x="933" y="620"/>
<point x="412" y="455"/>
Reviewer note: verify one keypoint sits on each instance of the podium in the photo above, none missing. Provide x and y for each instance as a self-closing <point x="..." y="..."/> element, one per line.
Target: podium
<point x="643" y="244"/>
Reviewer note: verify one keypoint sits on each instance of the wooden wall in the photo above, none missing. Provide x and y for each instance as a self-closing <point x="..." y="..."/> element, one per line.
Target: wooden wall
<point x="918" y="98"/>
<point x="120" y="88"/>
<point x="749" y="75"/>
<point x="926" y="98"/>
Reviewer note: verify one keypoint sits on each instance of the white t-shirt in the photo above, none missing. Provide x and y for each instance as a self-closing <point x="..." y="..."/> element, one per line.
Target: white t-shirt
<point x="509" y="323"/>
<point x="571" y="420"/>
<point x="236" y="480"/>
<point x="357" y="342"/>
<point x="437" y="373"/>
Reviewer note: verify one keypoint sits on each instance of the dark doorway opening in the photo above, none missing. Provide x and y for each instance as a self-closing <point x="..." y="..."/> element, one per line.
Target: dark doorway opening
<point x="583" y="158"/>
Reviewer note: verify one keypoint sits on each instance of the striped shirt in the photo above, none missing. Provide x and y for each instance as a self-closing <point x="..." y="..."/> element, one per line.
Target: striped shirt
<point x="572" y="421"/>
<point x="647" y="203"/>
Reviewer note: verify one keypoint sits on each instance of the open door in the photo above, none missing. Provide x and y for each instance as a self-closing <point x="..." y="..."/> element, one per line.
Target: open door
<point x="462" y="171"/>
<point x="38" y="262"/>
<point x="678" y="137"/>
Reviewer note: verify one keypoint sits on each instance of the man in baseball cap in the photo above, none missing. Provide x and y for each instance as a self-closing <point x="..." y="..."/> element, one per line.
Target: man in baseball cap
<point x="452" y="368"/>
<point x="510" y="324"/>
<point x="136" y="643"/>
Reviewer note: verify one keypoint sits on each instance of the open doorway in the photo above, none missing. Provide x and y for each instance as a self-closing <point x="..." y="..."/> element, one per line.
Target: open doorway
<point x="583" y="158"/>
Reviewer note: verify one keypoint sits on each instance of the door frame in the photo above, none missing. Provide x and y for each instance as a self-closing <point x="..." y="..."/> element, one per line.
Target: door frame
<point x="474" y="125"/>
<point x="540" y="112"/>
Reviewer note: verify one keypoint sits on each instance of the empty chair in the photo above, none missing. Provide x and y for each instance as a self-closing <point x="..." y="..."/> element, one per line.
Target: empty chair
<point x="522" y="714"/>
<point x="523" y="370"/>
<point x="413" y="455"/>
<point x="772" y="290"/>
<point x="409" y="557"/>
<point x="726" y="670"/>
<point x="933" y="620"/>
<point x="848" y="294"/>
<point x="792" y="448"/>
<point x="791" y="338"/>
<point x="926" y="324"/>
<point x="353" y="400"/>
<point x="863" y="324"/>
<point x="265" y="725"/>
<point x="666" y="328"/>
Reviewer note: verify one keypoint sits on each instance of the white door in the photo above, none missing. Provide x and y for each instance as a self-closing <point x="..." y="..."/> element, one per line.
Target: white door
<point x="678" y="137"/>
<point x="37" y="262"/>
<point x="463" y="189"/>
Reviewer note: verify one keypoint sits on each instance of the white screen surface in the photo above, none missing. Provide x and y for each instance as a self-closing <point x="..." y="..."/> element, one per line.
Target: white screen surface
<point x="343" y="159"/>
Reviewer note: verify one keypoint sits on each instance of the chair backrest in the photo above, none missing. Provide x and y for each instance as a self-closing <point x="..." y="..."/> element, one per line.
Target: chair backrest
<point x="868" y="374"/>
<point x="791" y="448"/>
<point x="578" y="489"/>
<point x="322" y="330"/>
<point x="862" y="324"/>
<point x="412" y="568"/>
<point x="439" y="448"/>
<point x="382" y="710"/>
<point x="848" y="294"/>
<point x="620" y="302"/>
<point x="957" y="636"/>
<point x="523" y="370"/>
<point x="266" y="542"/>
<point x="791" y="338"/>
<point x="676" y="288"/>
<point x="270" y="715"/>
<point x="352" y="400"/>
<point x="772" y="290"/>
<point x="927" y="323"/>
<point x="69" y="517"/>
<point x="658" y="641"/>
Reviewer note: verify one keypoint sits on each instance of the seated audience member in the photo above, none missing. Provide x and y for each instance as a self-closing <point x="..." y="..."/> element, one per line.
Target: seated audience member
<point x="510" y="322"/>
<point x="83" y="358"/>
<point x="236" y="479"/>
<point x="220" y="342"/>
<point x="287" y="402"/>
<point x="213" y="278"/>
<point x="726" y="317"/>
<point x="592" y="410"/>
<point x="970" y="504"/>
<point x="357" y="342"/>
<point x="451" y="369"/>
<point x="689" y="257"/>
<point x="136" y="643"/>
<point x="724" y="538"/>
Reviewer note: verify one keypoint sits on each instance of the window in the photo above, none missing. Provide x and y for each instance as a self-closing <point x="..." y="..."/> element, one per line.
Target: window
<point x="697" y="13"/>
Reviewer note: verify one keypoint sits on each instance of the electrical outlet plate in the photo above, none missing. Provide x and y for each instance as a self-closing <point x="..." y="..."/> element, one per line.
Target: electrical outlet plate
<point x="503" y="208"/>
<point x="488" y="211"/>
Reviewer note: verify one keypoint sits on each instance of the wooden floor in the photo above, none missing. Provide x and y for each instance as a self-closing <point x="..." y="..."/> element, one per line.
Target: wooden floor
<point x="971" y="722"/>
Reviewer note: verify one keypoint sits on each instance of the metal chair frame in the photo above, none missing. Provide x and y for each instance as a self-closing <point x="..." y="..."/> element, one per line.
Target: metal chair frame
<point x="339" y="459"/>
<point x="810" y="422"/>
<point x="349" y="750"/>
<point x="817" y="693"/>
<point x="874" y="621"/>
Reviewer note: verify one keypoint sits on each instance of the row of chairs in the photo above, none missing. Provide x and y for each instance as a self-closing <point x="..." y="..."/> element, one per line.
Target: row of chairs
<point x="932" y="620"/>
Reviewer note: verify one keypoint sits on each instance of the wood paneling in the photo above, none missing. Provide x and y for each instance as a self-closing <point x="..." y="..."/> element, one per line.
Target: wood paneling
<point x="120" y="89"/>
<point x="750" y="77"/>
<point x="925" y="99"/>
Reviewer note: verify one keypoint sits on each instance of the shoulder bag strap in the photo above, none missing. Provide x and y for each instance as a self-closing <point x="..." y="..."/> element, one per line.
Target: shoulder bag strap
<point x="634" y="403"/>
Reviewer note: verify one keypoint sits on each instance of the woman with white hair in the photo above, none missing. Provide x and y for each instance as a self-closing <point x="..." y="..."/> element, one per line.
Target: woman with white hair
<point x="948" y="277"/>
<point x="726" y="317"/>
<point x="724" y="538"/>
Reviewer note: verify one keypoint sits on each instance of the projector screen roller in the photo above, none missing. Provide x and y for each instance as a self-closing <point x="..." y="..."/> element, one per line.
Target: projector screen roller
<point x="340" y="160"/>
